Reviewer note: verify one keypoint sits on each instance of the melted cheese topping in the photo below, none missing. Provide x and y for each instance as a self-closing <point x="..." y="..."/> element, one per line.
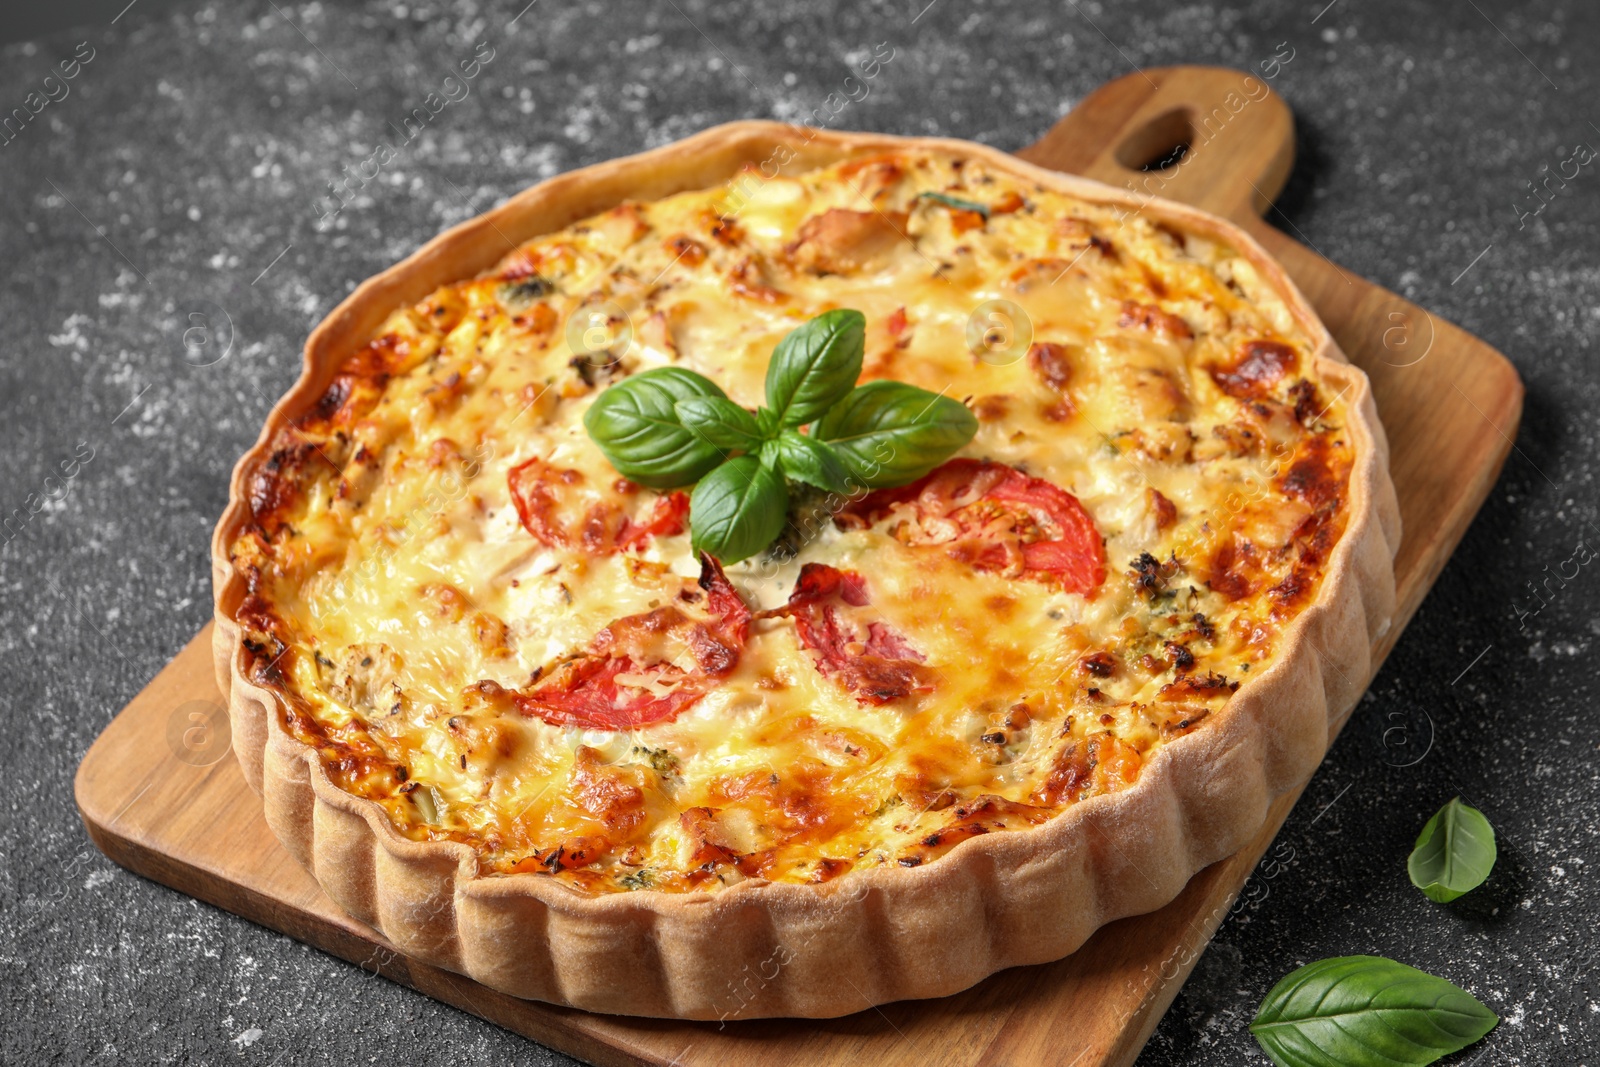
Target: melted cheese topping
<point x="1152" y="373"/>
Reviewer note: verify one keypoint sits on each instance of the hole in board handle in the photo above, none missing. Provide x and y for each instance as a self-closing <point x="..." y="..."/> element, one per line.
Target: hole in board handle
<point x="1159" y="144"/>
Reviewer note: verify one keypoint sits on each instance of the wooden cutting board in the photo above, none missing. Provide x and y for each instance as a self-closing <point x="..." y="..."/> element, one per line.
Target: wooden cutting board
<point x="161" y="795"/>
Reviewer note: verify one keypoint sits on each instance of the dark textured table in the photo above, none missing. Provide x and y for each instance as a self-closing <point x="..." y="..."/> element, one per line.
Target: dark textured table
<point x="180" y="176"/>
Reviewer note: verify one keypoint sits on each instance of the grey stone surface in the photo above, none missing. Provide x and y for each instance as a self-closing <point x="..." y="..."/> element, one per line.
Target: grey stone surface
<point x="180" y="173"/>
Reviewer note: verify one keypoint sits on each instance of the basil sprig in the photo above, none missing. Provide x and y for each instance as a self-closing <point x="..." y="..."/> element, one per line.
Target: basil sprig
<point x="1454" y="853"/>
<point x="672" y="427"/>
<point x="1355" y="1011"/>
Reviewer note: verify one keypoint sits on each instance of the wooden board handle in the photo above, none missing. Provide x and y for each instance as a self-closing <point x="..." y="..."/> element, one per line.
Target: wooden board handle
<point x="1237" y="137"/>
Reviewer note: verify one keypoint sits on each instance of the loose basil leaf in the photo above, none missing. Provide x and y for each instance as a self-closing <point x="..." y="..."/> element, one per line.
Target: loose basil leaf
<point x="737" y="510"/>
<point x="726" y="425"/>
<point x="1354" y="1011"/>
<point x="635" y="423"/>
<point x="1454" y="853"/>
<point x="814" y="365"/>
<point x="808" y="460"/>
<point x="890" y="433"/>
<point x="523" y="292"/>
<point x="956" y="202"/>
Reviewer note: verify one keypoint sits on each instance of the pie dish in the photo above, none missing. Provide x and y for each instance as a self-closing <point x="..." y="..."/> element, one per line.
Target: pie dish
<point x="504" y="715"/>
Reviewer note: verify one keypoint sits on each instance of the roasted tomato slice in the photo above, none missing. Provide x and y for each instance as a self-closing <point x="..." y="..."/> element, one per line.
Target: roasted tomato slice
<point x="648" y="668"/>
<point x="869" y="658"/>
<point x="669" y="516"/>
<point x="994" y="517"/>
<point x="557" y="507"/>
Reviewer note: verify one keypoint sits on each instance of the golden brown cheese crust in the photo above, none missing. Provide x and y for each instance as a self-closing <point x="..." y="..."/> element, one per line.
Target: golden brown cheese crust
<point x="400" y="600"/>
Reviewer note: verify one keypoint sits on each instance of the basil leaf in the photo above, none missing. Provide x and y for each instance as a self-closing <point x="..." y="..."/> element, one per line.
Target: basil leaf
<point x="805" y="459"/>
<point x="890" y="433"/>
<point x="1454" y="853"/>
<point x="636" y="425"/>
<point x="727" y="426"/>
<point x="814" y="365"/>
<point x="956" y="202"/>
<point x="737" y="510"/>
<point x="1353" y="1011"/>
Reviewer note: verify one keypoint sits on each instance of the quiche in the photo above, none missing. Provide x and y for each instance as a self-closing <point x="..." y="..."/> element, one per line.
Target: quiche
<point x="504" y="711"/>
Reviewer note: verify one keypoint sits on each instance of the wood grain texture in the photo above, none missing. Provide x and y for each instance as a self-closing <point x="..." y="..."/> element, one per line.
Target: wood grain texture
<point x="161" y="795"/>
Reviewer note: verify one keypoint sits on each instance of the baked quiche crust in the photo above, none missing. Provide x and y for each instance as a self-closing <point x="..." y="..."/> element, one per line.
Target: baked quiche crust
<point x="910" y="908"/>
